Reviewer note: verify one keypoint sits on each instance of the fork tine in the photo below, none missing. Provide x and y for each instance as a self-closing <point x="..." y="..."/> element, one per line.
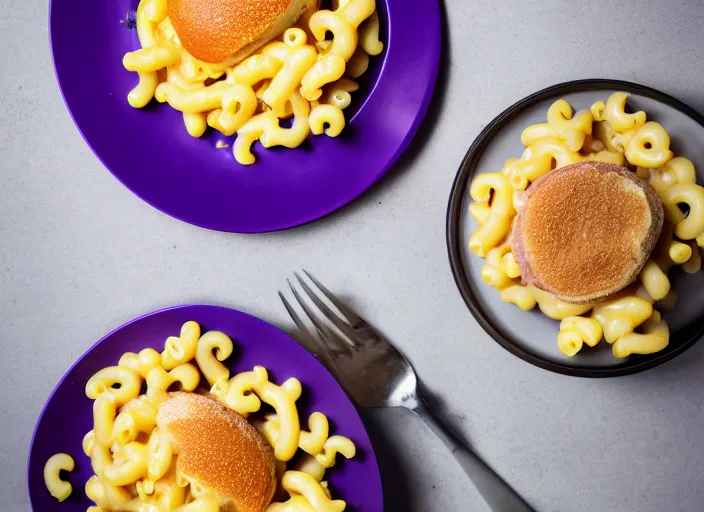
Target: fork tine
<point x="333" y="341"/>
<point x="341" y="324"/>
<point x="353" y="318"/>
<point x="308" y="341"/>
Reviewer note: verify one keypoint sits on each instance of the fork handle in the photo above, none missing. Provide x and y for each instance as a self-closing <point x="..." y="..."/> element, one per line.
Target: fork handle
<point x="497" y="493"/>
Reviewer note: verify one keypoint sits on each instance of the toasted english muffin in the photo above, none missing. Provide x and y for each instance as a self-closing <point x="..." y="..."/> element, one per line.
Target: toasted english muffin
<point x="586" y="230"/>
<point x="220" y="450"/>
<point x="230" y="30"/>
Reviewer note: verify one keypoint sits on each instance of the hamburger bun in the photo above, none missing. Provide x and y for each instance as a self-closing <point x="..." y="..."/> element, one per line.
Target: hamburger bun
<point x="586" y="230"/>
<point x="219" y="449"/>
<point x="231" y="30"/>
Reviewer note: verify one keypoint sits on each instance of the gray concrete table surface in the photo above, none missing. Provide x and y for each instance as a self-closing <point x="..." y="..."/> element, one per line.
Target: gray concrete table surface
<point x="80" y="255"/>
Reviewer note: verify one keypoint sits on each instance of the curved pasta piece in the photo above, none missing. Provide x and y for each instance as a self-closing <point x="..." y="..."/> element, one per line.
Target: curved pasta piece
<point x="326" y="119"/>
<point x="654" y="280"/>
<point x="287" y="80"/>
<point x="333" y="446"/>
<point x="369" y="35"/>
<point x="481" y="211"/>
<point x="345" y="36"/>
<point x="256" y="68"/>
<point x="277" y="49"/>
<point x="269" y="429"/>
<point x="597" y="109"/>
<point x="691" y="226"/>
<point x="535" y="132"/>
<point x="240" y="396"/>
<point x="159" y="380"/>
<point x="576" y="331"/>
<point x="239" y="104"/>
<point x="196" y="124"/>
<point x="555" y="149"/>
<point x="181" y="349"/>
<point x="303" y="484"/>
<point x="357" y="11"/>
<point x="495" y="256"/>
<point x="494" y="273"/>
<point x="309" y="464"/>
<point x="143" y="362"/>
<point x="521" y="173"/>
<point x="175" y="77"/>
<point x="123" y="384"/>
<point x="146" y="27"/>
<point x="104" y="414"/>
<point x="326" y="70"/>
<point x="650" y="146"/>
<point x="679" y="253"/>
<point x="497" y="226"/>
<point x="275" y="135"/>
<point x="220" y="389"/>
<point x="573" y="129"/>
<point x="295" y="37"/>
<point x="286" y="411"/>
<point x="554" y="308"/>
<point x="681" y="169"/>
<point x="615" y="114"/>
<point x="313" y="441"/>
<point x="209" y="363"/>
<point x="192" y="102"/>
<point x="143" y="93"/>
<point x="136" y="416"/>
<point x="518" y="295"/>
<point x="249" y="134"/>
<point x="105" y="495"/>
<point x="152" y="58"/>
<point x="133" y="465"/>
<point x="606" y="134"/>
<point x="282" y="429"/>
<point x="620" y="317"/>
<point x="167" y="491"/>
<point x="156" y="10"/>
<point x="160" y="455"/>
<point x="655" y="337"/>
<point x="58" y="488"/>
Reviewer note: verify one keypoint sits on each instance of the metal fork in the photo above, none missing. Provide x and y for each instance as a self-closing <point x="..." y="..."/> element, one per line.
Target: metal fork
<point x="375" y="374"/>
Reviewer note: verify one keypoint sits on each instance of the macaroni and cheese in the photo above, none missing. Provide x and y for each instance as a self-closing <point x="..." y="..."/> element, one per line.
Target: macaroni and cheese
<point x="134" y="464"/>
<point x="629" y="321"/>
<point x="305" y="77"/>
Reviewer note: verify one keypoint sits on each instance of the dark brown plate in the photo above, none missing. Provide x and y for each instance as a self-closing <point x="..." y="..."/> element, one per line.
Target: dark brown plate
<point x="530" y="335"/>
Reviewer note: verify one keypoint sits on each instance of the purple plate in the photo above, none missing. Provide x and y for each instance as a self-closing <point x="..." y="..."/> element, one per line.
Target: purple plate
<point x="150" y="152"/>
<point x="67" y="415"/>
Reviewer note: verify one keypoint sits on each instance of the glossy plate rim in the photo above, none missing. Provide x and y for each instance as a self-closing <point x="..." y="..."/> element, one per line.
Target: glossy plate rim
<point x="428" y="85"/>
<point x="634" y="364"/>
<point x="376" y="477"/>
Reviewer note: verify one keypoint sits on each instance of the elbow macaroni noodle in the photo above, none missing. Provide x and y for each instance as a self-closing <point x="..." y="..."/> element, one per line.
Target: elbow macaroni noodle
<point x="577" y="330"/>
<point x="58" y="488"/>
<point x="133" y="462"/>
<point x="303" y="61"/>
<point x="606" y="132"/>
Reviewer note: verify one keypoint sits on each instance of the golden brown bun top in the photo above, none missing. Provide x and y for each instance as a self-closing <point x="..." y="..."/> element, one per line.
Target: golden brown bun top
<point x="586" y="230"/>
<point x="218" y="30"/>
<point x="219" y="449"/>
